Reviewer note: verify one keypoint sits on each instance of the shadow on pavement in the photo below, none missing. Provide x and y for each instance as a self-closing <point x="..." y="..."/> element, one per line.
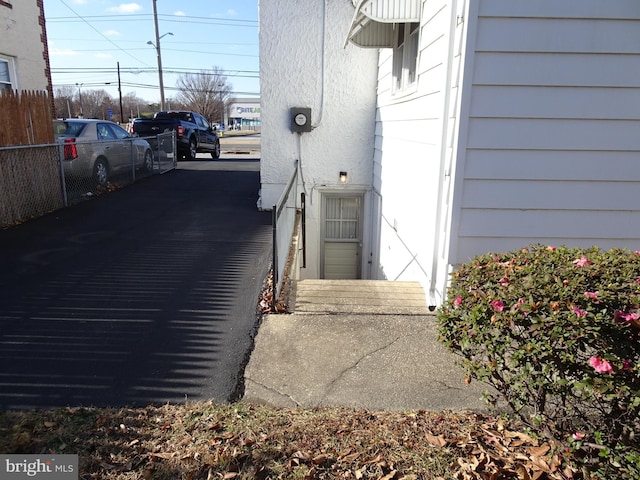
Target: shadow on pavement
<point x="145" y="295"/>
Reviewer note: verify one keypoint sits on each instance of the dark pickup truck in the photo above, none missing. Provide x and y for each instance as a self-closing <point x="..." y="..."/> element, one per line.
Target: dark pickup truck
<point x="193" y="132"/>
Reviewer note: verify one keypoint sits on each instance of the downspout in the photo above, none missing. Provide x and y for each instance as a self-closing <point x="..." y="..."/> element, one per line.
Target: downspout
<point x="443" y="154"/>
<point x="322" y="66"/>
<point x="318" y="121"/>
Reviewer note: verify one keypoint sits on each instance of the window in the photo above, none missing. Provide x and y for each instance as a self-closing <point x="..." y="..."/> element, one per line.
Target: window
<point x="201" y="121"/>
<point x="6" y="74"/>
<point x="104" y="132"/>
<point x="405" y="55"/>
<point x="118" y="132"/>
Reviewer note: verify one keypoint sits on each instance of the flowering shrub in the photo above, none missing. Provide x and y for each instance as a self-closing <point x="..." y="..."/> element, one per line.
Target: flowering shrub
<point x="556" y="332"/>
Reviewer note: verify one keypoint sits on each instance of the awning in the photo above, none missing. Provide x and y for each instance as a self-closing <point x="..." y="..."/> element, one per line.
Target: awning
<point x="372" y="24"/>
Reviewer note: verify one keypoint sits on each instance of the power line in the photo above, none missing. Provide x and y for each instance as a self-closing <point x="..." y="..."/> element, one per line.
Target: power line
<point x="165" y="18"/>
<point x="139" y="16"/>
<point x="173" y="42"/>
<point x="135" y="71"/>
<point x="101" y="34"/>
<point x="165" y="49"/>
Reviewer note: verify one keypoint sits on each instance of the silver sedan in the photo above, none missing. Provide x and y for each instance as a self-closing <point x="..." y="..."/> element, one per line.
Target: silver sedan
<point x="98" y="149"/>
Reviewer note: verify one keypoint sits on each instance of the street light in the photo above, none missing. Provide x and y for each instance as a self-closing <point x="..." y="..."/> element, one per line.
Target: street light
<point x="159" y="55"/>
<point x="220" y="85"/>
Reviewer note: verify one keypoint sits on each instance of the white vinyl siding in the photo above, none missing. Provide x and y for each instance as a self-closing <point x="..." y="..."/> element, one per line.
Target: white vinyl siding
<point x="409" y="149"/>
<point x="551" y="145"/>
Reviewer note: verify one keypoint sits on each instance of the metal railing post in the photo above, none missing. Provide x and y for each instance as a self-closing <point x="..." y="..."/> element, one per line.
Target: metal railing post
<point x="274" y="221"/>
<point x="63" y="181"/>
<point x="303" y="206"/>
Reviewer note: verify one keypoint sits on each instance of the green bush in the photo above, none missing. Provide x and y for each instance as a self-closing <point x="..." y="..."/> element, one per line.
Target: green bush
<point x="556" y="332"/>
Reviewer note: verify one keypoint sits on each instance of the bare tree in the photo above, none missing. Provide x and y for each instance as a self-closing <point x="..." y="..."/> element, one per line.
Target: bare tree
<point x="133" y="106"/>
<point x="205" y="92"/>
<point x="65" y="103"/>
<point x="96" y="103"/>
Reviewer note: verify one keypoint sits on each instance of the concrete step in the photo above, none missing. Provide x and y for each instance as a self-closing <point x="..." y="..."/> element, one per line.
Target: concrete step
<point x="379" y="297"/>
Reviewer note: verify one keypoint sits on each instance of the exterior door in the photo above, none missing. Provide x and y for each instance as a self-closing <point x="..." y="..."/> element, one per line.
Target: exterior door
<point x="342" y="237"/>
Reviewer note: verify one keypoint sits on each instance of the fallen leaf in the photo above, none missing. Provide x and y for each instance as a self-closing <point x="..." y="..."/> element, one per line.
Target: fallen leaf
<point x="389" y="476"/>
<point x="349" y="458"/>
<point x="319" y="459"/>
<point x="539" y="451"/>
<point x="438" y="441"/>
<point x="522" y="473"/>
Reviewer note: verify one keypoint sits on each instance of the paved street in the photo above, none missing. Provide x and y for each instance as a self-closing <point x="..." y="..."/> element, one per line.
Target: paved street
<point x="145" y="295"/>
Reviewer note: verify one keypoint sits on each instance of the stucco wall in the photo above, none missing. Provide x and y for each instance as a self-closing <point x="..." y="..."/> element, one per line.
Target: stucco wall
<point x="21" y="40"/>
<point x="302" y="66"/>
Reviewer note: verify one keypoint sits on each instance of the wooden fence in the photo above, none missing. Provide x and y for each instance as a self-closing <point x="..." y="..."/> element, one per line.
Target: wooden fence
<point x="25" y="118"/>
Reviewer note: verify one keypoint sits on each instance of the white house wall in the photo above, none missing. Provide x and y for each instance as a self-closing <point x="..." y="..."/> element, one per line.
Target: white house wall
<point x="549" y="142"/>
<point x="302" y="66"/>
<point x="20" y="40"/>
<point x="414" y="136"/>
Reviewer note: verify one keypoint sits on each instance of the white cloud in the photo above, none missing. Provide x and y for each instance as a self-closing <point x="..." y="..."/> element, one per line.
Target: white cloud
<point x="62" y="52"/>
<point x="180" y="13"/>
<point x="231" y="12"/>
<point x="112" y="33"/>
<point x="126" y="8"/>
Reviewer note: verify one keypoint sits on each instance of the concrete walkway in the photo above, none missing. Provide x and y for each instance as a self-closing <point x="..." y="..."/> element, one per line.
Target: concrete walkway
<point x="363" y="344"/>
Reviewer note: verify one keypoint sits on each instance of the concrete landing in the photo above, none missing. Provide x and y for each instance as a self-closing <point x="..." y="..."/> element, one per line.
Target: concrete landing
<point x="362" y="344"/>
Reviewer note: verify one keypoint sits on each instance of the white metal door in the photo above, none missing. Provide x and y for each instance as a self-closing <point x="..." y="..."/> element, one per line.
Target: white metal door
<point x="342" y="237"/>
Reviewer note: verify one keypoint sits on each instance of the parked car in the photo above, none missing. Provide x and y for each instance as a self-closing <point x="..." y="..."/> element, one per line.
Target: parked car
<point x="98" y="149"/>
<point x="193" y="132"/>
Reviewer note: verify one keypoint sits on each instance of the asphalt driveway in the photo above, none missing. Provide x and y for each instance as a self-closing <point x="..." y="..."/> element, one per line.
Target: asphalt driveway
<point x="144" y="295"/>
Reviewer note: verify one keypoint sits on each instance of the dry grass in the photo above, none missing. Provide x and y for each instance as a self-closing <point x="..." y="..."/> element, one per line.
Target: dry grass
<point x="210" y="441"/>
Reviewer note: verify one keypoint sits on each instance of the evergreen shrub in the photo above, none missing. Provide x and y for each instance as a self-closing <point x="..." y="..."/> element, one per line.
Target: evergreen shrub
<point x="556" y="332"/>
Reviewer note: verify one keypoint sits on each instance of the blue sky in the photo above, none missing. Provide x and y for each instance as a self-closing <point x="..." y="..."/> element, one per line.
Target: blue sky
<point x="87" y="39"/>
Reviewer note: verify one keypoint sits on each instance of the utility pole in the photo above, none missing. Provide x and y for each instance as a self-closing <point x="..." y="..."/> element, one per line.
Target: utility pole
<point x="157" y="45"/>
<point x="120" y="95"/>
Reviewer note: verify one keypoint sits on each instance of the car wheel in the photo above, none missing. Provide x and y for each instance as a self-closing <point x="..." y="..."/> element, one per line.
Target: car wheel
<point x="191" y="153"/>
<point x="147" y="164"/>
<point x="101" y="171"/>
<point x="216" y="152"/>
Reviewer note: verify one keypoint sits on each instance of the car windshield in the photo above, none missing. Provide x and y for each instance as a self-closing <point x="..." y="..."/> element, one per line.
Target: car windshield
<point x="68" y="128"/>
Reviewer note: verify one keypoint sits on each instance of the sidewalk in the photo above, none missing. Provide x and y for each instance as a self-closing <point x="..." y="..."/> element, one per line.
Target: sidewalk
<point x="361" y="344"/>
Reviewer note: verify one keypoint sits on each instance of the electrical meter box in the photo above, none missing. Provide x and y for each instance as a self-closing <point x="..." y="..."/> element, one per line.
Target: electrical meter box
<point x="300" y="118"/>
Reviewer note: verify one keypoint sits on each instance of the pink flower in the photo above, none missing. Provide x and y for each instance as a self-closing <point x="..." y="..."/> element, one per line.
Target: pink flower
<point x="579" y="313"/>
<point x="504" y="281"/>
<point x="497" y="305"/>
<point x="582" y="261"/>
<point x="629" y="317"/>
<point x="578" y="436"/>
<point x="600" y="365"/>
<point x="626" y="366"/>
<point x="637" y="252"/>
<point x="593" y="295"/>
<point x="551" y="248"/>
<point x="457" y="301"/>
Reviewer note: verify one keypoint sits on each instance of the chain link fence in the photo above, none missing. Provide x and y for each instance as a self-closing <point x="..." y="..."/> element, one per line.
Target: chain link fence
<point x="38" y="179"/>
